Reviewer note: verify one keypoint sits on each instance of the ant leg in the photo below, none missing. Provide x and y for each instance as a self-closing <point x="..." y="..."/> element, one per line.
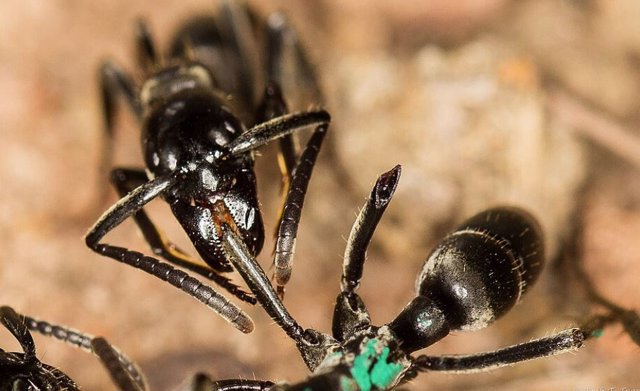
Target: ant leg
<point x="79" y="340"/>
<point x="253" y="274"/>
<point x="127" y="207"/>
<point x="114" y="82"/>
<point x="13" y="322"/>
<point x="282" y="45"/>
<point x="629" y="319"/>
<point x="202" y="382"/>
<point x="236" y="31"/>
<point x="288" y="63"/>
<point x="111" y="361"/>
<point x="574" y="255"/>
<point x="272" y="129"/>
<point x="273" y="105"/>
<point x="125" y="180"/>
<point x="364" y="226"/>
<point x="21" y="325"/>
<point x="283" y="49"/>
<point x="350" y="312"/>
<point x="146" y="51"/>
<point x="562" y="342"/>
<point x="287" y="68"/>
<point x="290" y="219"/>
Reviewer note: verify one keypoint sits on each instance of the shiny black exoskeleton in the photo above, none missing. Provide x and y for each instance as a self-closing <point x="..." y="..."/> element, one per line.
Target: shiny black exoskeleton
<point x="192" y="107"/>
<point x="474" y="276"/>
<point x="25" y="372"/>
<point x="193" y="129"/>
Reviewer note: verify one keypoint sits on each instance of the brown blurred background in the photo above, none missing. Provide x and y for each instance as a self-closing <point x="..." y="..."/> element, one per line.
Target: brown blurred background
<point x="533" y="103"/>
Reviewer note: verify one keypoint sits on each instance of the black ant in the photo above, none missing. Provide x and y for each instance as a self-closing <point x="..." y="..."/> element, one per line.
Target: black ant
<point x="199" y="155"/>
<point x="199" y="159"/>
<point x="474" y="276"/>
<point x="25" y="372"/>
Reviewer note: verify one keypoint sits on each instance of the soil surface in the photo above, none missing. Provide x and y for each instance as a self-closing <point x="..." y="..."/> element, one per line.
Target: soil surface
<point x="529" y="103"/>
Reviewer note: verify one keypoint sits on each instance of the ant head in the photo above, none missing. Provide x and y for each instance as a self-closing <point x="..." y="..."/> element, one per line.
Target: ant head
<point x="202" y="209"/>
<point x="190" y="128"/>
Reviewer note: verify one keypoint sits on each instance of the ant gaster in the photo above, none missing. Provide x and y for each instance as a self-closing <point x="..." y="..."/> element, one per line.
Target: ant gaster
<point x="199" y="155"/>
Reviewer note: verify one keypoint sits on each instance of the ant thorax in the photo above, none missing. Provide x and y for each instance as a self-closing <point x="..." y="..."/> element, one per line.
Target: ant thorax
<point x="368" y="361"/>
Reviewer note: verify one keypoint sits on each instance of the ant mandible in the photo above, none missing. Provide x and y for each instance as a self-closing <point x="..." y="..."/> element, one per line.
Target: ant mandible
<point x="199" y="155"/>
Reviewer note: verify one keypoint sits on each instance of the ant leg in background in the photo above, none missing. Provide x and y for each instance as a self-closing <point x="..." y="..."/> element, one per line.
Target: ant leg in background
<point x="281" y="45"/>
<point x="287" y="68"/>
<point x="115" y="82"/>
<point x="23" y="371"/>
<point x="19" y="371"/>
<point x="147" y="54"/>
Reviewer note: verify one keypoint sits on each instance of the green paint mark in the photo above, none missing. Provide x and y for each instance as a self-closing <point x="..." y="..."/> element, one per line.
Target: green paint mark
<point x="361" y="365"/>
<point x="384" y="373"/>
<point x="597" y="333"/>
<point x="381" y="374"/>
<point x="307" y="389"/>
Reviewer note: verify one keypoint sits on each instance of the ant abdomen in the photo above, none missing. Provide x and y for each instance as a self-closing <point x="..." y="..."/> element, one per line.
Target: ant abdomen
<point x="480" y="270"/>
